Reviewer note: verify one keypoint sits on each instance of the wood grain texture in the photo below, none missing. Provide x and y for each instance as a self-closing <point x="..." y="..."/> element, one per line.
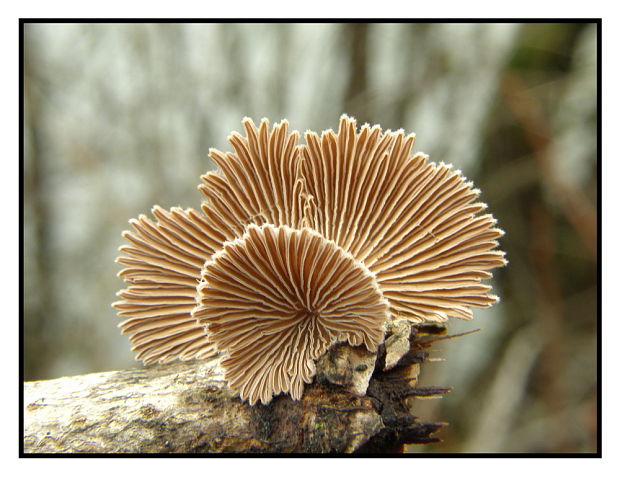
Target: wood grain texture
<point x="188" y="408"/>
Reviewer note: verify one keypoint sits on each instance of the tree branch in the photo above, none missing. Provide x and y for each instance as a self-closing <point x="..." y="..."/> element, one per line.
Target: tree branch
<point x="188" y="408"/>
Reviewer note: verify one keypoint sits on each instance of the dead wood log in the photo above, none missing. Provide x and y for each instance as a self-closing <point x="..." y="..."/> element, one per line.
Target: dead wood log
<point x="358" y="403"/>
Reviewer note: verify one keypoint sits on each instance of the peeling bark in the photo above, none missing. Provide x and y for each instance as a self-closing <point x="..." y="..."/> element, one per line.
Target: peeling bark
<point x="188" y="408"/>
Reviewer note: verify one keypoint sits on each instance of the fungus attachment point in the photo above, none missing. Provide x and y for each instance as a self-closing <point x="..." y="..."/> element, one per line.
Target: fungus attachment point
<point x="276" y="299"/>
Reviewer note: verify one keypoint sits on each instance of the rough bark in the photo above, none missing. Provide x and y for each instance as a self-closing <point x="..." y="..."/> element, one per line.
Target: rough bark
<point x="358" y="403"/>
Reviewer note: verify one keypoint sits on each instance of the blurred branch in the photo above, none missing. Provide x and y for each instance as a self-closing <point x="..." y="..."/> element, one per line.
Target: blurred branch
<point x="533" y="433"/>
<point x="41" y="301"/>
<point x="580" y="214"/>
<point x="574" y="204"/>
<point x="502" y="401"/>
<point x="550" y="308"/>
<point x="355" y="94"/>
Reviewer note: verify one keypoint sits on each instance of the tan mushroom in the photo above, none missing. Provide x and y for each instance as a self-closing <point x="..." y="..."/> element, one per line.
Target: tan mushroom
<point x="164" y="262"/>
<point x="411" y="222"/>
<point x="165" y="258"/>
<point x="259" y="183"/>
<point x="403" y="236"/>
<point x="277" y="299"/>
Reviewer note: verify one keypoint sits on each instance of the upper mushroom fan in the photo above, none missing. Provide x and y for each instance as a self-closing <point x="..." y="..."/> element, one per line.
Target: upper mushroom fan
<point x="297" y="247"/>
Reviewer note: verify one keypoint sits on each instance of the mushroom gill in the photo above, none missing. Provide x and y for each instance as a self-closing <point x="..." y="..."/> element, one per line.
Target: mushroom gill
<point x="297" y="246"/>
<point x="259" y="183"/>
<point x="414" y="223"/>
<point x="276" y="299"/>
<point x="411" y="222"/>
<point x="164" y="261"/>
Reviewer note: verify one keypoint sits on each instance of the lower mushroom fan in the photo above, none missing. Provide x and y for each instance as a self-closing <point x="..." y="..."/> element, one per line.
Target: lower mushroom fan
<point x="277" y="299"/>
<point x="299" y="246"/>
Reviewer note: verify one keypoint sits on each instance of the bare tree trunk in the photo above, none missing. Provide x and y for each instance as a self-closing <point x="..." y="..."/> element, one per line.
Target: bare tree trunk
<point x="187" y="407"/>
<point x="39" y="233"/>
<point x="355" y="100"/>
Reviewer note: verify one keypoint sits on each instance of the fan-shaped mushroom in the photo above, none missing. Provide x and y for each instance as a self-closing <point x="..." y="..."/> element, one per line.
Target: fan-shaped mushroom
<point x="277" y="299"/>
<point x="299" y="246"/>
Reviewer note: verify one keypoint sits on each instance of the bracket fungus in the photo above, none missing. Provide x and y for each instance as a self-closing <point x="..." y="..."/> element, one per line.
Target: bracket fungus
<point x="299" y="246"/>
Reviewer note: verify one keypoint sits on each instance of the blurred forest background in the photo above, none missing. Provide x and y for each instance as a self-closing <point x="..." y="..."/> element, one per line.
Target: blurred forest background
<point x="119" y="117"/>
